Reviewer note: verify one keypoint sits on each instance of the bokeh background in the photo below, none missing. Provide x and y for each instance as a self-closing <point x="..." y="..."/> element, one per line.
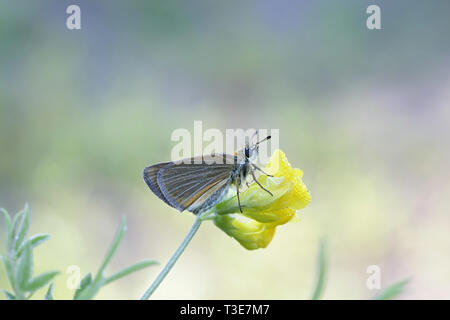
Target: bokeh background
<point x="364" y="113"/>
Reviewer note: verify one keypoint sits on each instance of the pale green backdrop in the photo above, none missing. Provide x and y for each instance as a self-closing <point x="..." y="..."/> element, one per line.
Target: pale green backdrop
<point x="365" y="114"/>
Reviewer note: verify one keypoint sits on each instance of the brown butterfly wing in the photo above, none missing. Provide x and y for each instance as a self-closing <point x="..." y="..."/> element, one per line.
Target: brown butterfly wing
<point x="195" y="185"/>
<point x="150" y="174"/>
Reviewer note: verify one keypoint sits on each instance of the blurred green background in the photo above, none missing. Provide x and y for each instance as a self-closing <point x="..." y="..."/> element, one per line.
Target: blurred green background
<point x="365" y="114"/>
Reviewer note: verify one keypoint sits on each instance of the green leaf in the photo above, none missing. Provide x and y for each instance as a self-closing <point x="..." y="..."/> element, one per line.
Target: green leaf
<point x="9" y="295"/>
<point x="18" y="217"/>
<point x="24" y="268"/>
<point x="34" y="242"/>
<point x="7" y="227"/>
<point x="21" y="224"/>
<point x="321" y="271"/>
<point x="9" y="270"/>
<point x="85" y="282"/>
<point x="39" y="238"/>
<point x="40" y="281"/>
<point x="23" y="229"/>
<point x="49" y="294"/>
<point x="115" y="244"/>
<point x="133" y="268"/>
<point x="393" y="290"/>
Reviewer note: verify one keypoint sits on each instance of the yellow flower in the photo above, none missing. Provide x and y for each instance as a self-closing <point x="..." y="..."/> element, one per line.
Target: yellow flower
<point x="262" y="213"/>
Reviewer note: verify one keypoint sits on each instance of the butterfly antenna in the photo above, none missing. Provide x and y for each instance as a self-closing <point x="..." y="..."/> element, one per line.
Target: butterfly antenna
<point x="266" y="138"/>
<point x="254" y="135"/>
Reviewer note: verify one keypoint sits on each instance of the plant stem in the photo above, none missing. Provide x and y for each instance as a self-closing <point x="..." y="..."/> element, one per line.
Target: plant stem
<point x="321" y="270"/>
<point x="174" y="258"/>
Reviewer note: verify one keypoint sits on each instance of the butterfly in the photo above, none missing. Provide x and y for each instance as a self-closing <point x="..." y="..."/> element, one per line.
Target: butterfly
<point x="197" y="184"/>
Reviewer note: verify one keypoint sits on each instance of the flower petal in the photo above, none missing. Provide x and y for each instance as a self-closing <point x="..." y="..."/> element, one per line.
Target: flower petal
<point x="249" y="233"/>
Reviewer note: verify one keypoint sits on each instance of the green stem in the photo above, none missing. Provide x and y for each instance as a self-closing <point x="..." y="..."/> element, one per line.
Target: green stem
<point x="174" y="258"/>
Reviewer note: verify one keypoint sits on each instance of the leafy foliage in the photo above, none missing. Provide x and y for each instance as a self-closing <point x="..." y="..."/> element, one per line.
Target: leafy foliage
<point x="90" y="286"/>
<point x="18" y="260"/>
<point x="393" y="290"/>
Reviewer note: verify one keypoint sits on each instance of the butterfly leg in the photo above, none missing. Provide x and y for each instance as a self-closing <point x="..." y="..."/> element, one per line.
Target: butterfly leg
<point x="259" y="184"/>
<point x="237" y="192"/>
<point x="258" y="168"/>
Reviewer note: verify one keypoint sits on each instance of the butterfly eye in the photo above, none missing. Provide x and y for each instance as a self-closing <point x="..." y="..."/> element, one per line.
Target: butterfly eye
<point x="247" y="152"/>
